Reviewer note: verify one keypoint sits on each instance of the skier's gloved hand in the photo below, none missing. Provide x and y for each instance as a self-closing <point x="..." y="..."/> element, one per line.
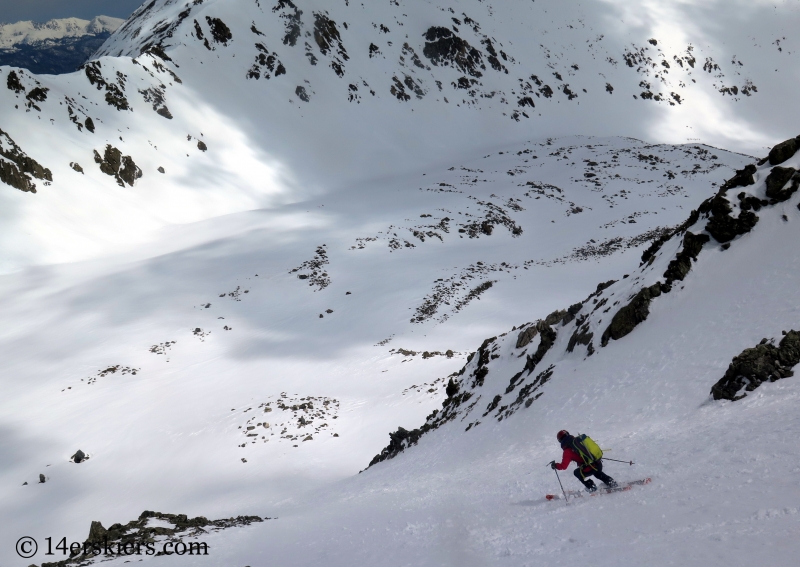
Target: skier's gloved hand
<point x="553" y="465"/>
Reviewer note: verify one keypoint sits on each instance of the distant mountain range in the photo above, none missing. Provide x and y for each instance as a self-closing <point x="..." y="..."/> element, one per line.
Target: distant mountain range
<point x="54" y="47"/>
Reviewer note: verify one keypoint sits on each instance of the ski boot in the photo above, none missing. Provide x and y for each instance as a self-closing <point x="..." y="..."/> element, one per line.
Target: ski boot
<point x="590" y="486"/>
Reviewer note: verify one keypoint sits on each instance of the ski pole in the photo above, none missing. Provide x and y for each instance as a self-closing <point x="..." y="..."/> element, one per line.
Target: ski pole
<point x="550" y="464"/>
<point x="618" y="461"/>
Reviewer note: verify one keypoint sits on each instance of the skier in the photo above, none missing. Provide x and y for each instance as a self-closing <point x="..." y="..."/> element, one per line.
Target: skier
<point x="575" y="449"/>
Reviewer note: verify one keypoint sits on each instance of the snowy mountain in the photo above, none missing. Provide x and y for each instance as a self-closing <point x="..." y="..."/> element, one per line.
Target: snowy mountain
<point x="56" y="46"/>
<point x="282" y="98"/>
<point x="34" y="33"/>
<point x="242" y="246"/>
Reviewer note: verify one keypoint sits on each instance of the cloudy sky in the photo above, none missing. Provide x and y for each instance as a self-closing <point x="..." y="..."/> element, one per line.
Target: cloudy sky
<point x="43" y="10"/>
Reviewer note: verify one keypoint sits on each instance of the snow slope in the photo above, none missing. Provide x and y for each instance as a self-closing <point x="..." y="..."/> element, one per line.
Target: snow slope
<point x="337" y="261"/>
<point x="411" y="291"/>
<point x="723" y="493"/>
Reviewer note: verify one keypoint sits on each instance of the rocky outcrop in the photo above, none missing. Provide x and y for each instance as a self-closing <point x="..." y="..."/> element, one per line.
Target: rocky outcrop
<point x="723" y="226"/>
<point x="743" y="178"/>
<point x="301" y="93"/>
<point x="137" y="534"/>
<point x="219" y="30"/>
<point x="478" y="379"/>
<point x="779" y="187"/>
<point x="548" y="337"/>
<point x="444" y="48"/>
<point x="754" y="366"/>
<point x="17" y="168"/>
<point x="680" y="266"/>
<point x="122" y="168"/>
<point x="626" y="319"/>
<point x="13" y="83"/>
<point x="526" y="336"/>
<point x="581" y="336"/>
<point x="784" y="150"/>
<point x="115" y="95"/>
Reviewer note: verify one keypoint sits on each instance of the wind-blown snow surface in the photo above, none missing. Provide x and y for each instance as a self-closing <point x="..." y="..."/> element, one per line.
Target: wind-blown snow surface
<point x="298" y="99"/>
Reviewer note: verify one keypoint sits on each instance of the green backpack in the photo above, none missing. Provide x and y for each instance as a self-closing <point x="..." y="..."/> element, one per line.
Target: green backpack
<point x="588" y="450"/>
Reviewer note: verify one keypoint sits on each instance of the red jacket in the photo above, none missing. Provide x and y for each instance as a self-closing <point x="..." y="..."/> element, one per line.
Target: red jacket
<point x="569" y="456"/>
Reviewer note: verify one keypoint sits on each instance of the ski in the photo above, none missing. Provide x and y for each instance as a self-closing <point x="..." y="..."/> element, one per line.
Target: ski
<point x="622" y="487"/>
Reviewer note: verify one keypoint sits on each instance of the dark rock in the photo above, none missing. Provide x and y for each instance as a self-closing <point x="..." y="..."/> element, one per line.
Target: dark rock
<point x="570" y="314"/>
<point x="42" y="479"/>
<point x="445" y="48"/>
<point x="604" y="285"/>
<point x="76" y="167"/>
<point x="116" y="98"/>
<point x="757" y="365"/>
<point x="13" y="83"/>
<point x="302" y="94"/>
<point x="327" y="36"/>
<point x="555" y="317"/>
<point x="201" y="146"/>
<point x="96" y="533"/>
<point x="158" y="51"/>
<point x="398" y="441"/>
<point x="783" y="151"/>
<point x="627" y="318"/>
<point x="161" y="170"/>
<point x="39" y="94"/>
<point x="111" y="161"/>
<point x="548" y="337"/>
<point x="18" y="170"/>
<point x="581" y="336"/>
<point x="480" y="376"/>
<point x="89" y="124"/>
<point x="452" y="388"/>
<point x="777" y="179"/>
<point x="743" y="178"/>
<point x="219" y="31"/>
<point x="526" y="336"/>
<point x="493" y="404"/>
<point x="122" y="168"/>
<point x="649" y="254"/>
<point x="682" y="263"/>
<point x="78" y="457"/>
<point x="129" y="172"/>
<point x="722" y="226"/>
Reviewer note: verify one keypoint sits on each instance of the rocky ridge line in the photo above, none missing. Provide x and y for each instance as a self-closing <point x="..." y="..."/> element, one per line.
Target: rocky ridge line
<point x="713" y="220"/>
